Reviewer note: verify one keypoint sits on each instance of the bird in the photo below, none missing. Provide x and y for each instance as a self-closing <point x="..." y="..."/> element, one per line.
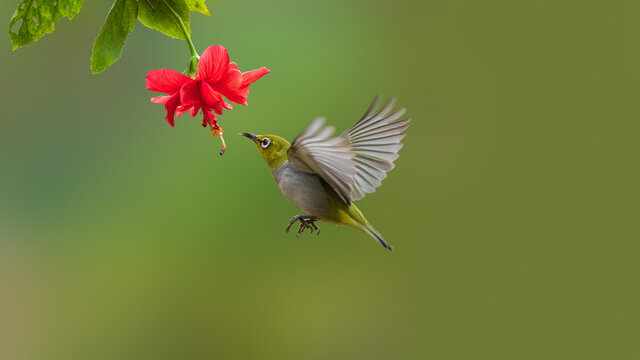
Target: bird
<point x="322" y="175"/>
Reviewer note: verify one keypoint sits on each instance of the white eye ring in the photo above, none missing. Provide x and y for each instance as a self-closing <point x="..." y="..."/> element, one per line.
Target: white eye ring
<point x="265" y="143"/>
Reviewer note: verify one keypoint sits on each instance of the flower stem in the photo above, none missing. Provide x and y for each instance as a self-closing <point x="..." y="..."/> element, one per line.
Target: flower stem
<point x="194" y="53"/>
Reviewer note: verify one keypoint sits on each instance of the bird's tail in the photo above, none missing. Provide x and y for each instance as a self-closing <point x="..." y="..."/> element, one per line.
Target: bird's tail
<point x="376" y="235"/>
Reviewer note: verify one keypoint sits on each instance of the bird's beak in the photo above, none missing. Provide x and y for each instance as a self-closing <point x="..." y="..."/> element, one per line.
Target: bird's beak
<point x="251" y="136"/>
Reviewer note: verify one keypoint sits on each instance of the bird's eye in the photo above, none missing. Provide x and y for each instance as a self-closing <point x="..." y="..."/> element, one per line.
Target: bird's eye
<point x="265" y="143"/>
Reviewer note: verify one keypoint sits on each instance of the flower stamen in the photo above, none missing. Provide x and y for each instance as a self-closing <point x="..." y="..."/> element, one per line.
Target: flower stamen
<point x="218" y="132"/>
<point x="224" y="146"/>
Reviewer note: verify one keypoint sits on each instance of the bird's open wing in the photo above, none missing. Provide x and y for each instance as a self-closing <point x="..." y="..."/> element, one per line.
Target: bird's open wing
<point x="375" y="140"/>
<point x="316" y="151"/>
<point x="356" y="162"/>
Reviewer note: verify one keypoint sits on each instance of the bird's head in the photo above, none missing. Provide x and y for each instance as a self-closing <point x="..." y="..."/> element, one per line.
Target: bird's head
<point x="272" y="148"/>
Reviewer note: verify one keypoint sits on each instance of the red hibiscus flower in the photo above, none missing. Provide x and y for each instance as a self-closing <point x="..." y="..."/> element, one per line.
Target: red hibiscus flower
<point x="216" y="78"/>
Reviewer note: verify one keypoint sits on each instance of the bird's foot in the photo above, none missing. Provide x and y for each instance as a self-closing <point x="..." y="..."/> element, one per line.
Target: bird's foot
<point x="306" y="222"/>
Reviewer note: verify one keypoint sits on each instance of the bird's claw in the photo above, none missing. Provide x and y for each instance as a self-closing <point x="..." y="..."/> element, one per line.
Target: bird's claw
<point x="306" y="222"/>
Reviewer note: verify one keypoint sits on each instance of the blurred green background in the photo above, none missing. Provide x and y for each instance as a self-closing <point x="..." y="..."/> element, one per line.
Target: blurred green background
<point x="513" y="209"/>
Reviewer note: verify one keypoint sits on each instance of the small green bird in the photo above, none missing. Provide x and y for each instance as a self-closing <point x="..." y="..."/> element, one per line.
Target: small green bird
<point x="321" y="175"/>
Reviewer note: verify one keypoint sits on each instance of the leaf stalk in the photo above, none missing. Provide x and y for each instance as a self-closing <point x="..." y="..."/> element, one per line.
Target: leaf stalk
<point x="192" y="48"/>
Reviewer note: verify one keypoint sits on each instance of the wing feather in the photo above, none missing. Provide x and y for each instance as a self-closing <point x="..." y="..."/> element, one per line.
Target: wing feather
<point x="315" y="151"/>
<point x="375" y="139"/>
<point x="354" y="163"/>
<point x="377" y="121"/>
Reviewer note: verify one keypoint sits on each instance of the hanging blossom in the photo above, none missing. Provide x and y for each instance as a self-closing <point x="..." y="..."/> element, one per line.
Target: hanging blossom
<point x="215" y="78"/>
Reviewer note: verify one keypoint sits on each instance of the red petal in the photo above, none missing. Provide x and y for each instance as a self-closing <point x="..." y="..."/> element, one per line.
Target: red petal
<point x="235" y="86"/>
<point x="209" y="118"/>
<point x="229" y="87"/>
<point x="182" y="109"/>
<point x="194" y="111"/>
<point x="213" y="64"/>
<point x="209" y="96"/>
<point x="165" y="80"/>
<point x="237" y="95"/>
<point x="190" y="93"/>
<point x="209" y="115"/>
<point x="253" y="75"/>
<point x="160" y="99"/>
<point x="171" y="105"/>
<point x="232" y="80"/>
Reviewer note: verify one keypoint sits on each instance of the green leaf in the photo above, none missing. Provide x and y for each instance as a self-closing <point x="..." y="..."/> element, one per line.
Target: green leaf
<point x="199" y="6"/>
<point x="38" y="17"/>
<point x="107" y="48"/>
<point x="156" y="15"/>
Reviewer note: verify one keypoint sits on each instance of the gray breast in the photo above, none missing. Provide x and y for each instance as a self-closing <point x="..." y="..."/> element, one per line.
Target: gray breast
<point x="303" y="190"/>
